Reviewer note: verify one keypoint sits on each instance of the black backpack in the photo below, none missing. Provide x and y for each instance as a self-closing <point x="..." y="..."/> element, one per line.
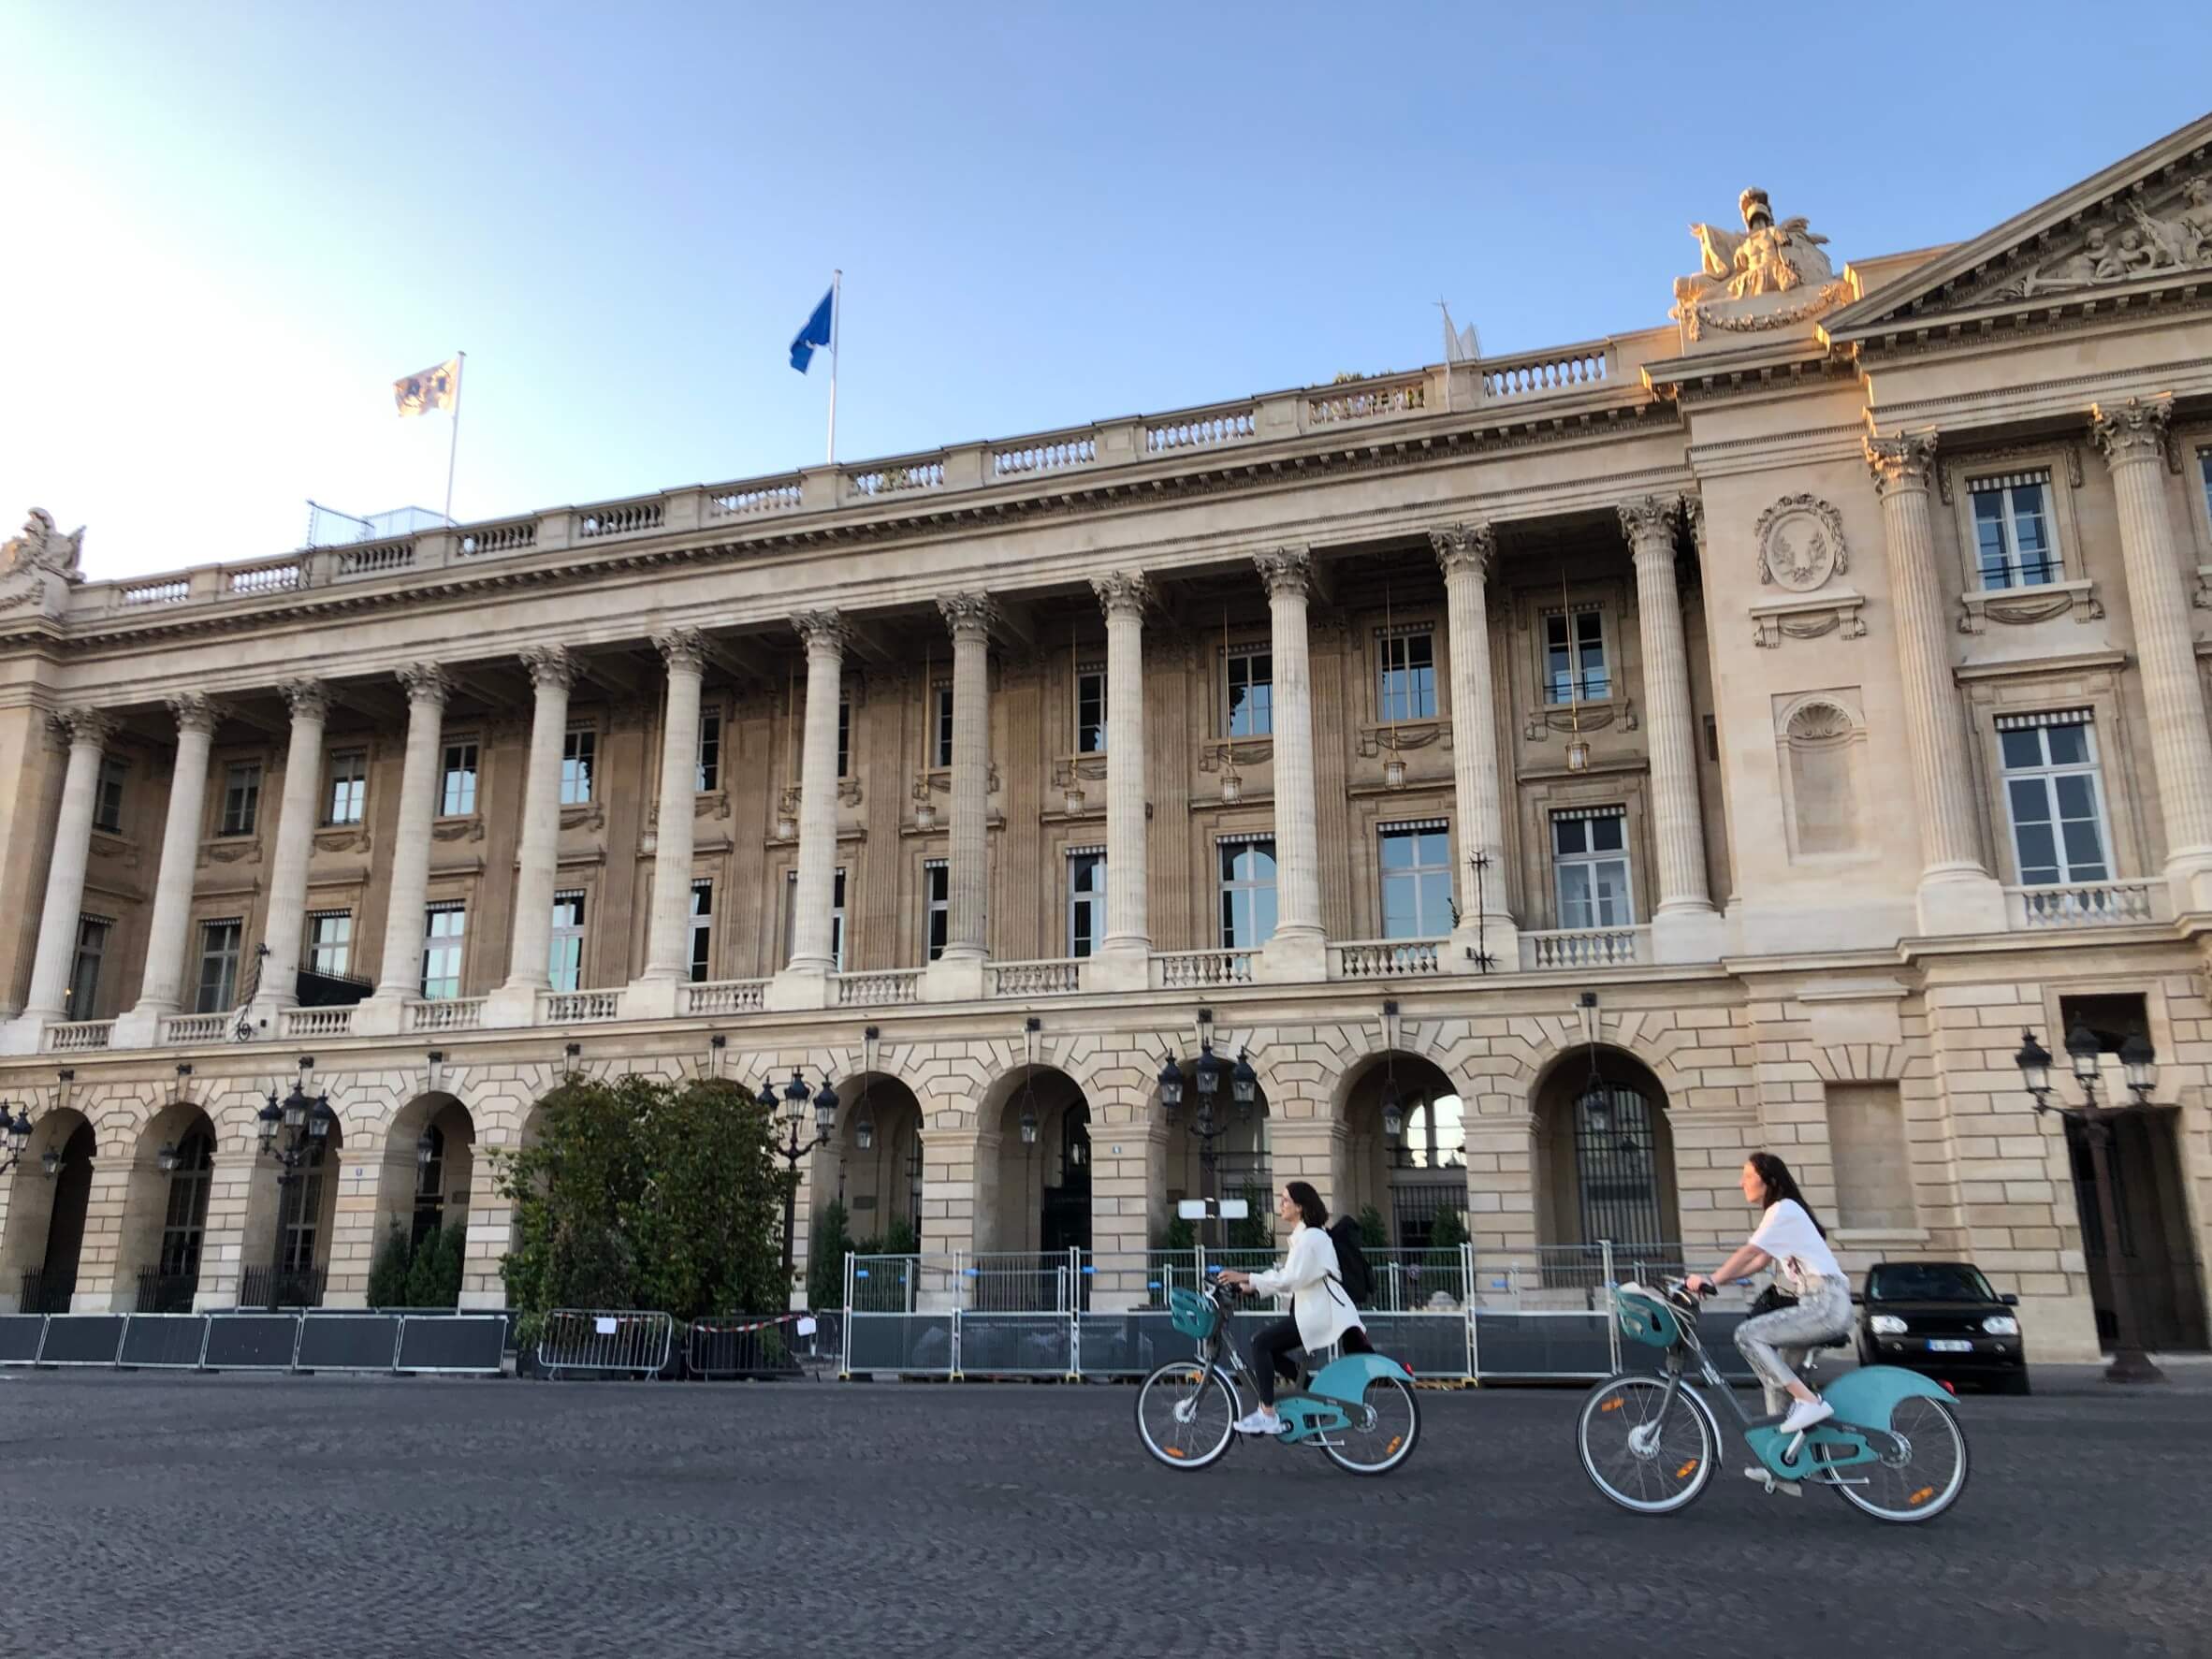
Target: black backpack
<point x="1352" y="1262"/>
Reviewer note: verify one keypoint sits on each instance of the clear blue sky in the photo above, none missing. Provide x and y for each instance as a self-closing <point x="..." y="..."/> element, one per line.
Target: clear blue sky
<point x="232" y="226"/>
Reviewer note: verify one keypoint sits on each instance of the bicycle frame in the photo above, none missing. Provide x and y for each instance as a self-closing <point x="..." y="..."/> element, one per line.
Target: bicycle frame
<point x="1785" y="1457"/>
<point x="1312" y="1411"/>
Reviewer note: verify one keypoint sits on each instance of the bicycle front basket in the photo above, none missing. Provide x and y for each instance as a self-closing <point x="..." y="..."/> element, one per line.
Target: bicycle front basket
<point x="1647" y="1320"/>
<point x="1191" y="1314"/>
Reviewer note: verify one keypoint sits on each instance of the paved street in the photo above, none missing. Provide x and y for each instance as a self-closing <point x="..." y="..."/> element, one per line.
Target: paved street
<point x="237" y="1517"/>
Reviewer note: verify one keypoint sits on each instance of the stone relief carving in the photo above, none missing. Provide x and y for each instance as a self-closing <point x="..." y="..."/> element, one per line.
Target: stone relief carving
<point x="42" y="548"/>
<point x="1769" y="275"/>
<point x="2124" y="242"/>
<point x="1373" y="740"/>
<point x="352" y="838"/>
<point x="459" y="829"/>
<point x="1800" y="539"/>
<point x="1770" y="626"/>
<point x="1591" y="717"/>
<point x="2018" y="607"/>
<point x="592" y="816"/>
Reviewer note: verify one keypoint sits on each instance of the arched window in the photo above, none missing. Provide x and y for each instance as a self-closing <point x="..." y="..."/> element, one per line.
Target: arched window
<point x="184" y="1222"/>
<point x="1616" y="1167"/>
<point x="430" y="1187"/>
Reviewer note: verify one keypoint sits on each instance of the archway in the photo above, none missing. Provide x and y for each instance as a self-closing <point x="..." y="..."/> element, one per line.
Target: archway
<point x="46" y="1214"/>
<point x="165" y="1223"/>
<point x="878" y="1148"/>
<point x="1240" y="1166"/>
<point x="306" y="1213"/>
<point x="1043" y="1123"/>
<point x="429" y="1161"/>
<point x="1407" y="1152"/>
<point x="1604" y="1156"/>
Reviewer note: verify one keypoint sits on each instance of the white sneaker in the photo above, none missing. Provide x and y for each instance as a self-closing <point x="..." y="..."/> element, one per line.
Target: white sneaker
<point x="1805" y="1414"/>
<point x="1259" y="1422"/>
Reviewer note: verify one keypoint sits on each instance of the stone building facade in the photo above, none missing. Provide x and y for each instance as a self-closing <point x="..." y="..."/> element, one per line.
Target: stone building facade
<point x="1767" y="716"/>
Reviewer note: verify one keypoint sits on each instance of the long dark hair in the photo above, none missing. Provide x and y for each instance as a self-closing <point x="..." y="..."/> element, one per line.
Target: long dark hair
<point x="1781" y="1185"/>
<point x="1311" y="1210"/>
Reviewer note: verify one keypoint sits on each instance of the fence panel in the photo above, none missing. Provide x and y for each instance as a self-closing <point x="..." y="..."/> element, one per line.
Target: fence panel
<point x="164" y="1342"/>
<point x="902" y="1315"/>
<point x="605" y="1341"/>
<point x="1017" y="1344"/>
<point x="466" y="1345"/>
<point x="727" y="1349"/>
<point x="1429" y="1345"/>
<point x="1021" y="1282"/>
<point x="1543" y="1344"/>
<point x="82" y="1339"/>
<point x="252" y="1342"/>
<point x="347" y="1341"/>
<point x="20" y="1337"/>
<point x="1130" y="1343"/>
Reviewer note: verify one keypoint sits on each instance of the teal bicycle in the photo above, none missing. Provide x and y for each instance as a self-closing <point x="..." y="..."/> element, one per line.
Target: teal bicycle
<point x="1894" y="1450"/>
<point x="1360" y="1410"/>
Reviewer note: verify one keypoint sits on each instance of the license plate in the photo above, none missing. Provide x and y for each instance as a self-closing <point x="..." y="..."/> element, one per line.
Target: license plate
<point x="1949" y="1344"/>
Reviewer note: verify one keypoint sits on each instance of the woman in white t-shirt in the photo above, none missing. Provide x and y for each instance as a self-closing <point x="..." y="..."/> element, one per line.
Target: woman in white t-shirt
<point x="1790" y="1240"/>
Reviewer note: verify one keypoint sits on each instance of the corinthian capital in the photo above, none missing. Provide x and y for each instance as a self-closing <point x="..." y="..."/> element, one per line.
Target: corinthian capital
<point x="2133" y="430"/>
<point x="92" y="726"/>
<point x="967" y="615"/>
<point x="1646" y="518"/>
<point x="683" y="649"/>
<point x="549" y="666"/>
<point x="822" y="631"/>
<point x="1286" y="571"/>
<point x="195" y="713"/>
<point x="1902" y="459"/>
<point x="426" y="683"/>
<point x="309" y="698"/>
<point x="1124" y="593"/>
<point x="1466" y="548"/>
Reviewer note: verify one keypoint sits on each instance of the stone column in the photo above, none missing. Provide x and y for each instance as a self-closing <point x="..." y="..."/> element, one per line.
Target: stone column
<point x="958" y="974"/>
<point x="2133" y="436"/>
<point x="1956" y="893"/>
<point x="161" y="987"/>
<point x="668" y="944"/>
<point x="805" y="979"/>
<point x="399" y="968"/>
<point x="1298" y="951"/>
<point x="1467" y="553"/>
<point x="1684" y="925"/>
<point x="516" y="1002"/>
<point x="1124" y="961"/>
<point x="88" y="732"/>
<point x="280" y="934"/>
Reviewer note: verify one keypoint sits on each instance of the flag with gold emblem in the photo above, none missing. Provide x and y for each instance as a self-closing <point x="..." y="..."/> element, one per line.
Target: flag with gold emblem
<point x="435" y="387"/>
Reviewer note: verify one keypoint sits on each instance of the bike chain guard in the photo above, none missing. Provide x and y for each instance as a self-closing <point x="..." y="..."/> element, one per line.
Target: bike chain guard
<point x="1774" y="1449"/>
<point x="1306" y="1417"/>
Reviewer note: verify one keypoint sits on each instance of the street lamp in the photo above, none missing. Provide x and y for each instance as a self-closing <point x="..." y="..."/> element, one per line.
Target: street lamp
<point x="1205" y="1074"/>
<point x="304" y="1122"/>
<point x="15" y="1136"/>
<point x="2139" y="1069"/>
<point x="794" y="1101"/>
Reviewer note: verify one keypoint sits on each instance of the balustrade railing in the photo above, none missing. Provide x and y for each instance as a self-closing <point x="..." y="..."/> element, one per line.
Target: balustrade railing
<point x="878" y="990"/>
<point x="895" y="479"/>
<point x="625" y="518"/>
<point x="721" y="996"/>
<point x="2084" y="904"/>
<point x="1566" y="368"/>
<point x="208" y="1027"/>
<point x="1368" y="400"/>
<point x="1201" y="431"/>
<point x="1173" y="969"/>
<point x="1585" y="947"/>
<point x="574" y="1007"/>
<point x="377" y="559"/>
<point x="1055" y="456"/>
<point x="485" y="541"/>
<point x="749" y="501"/>
<point x="315" y="1022"/>
<point x="1385" y="959"/>
<point x="161" y="590"/>
<point x="1062" y="978"/>
<point x="281" y="577"/>
<point x="460" y="1013"/>
<point x="79" y="1036"/>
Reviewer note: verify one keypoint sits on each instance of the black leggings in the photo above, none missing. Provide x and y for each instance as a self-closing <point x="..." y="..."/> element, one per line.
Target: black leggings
<point x="1271" y="1350"/>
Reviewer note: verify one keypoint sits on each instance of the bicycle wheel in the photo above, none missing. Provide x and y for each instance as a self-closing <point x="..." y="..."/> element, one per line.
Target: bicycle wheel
<point x="1923" y="1477"/>
<point x="1642" y="1460"/>
<point x="1378" y="1445"/>
<point x="1185" y="1411"/>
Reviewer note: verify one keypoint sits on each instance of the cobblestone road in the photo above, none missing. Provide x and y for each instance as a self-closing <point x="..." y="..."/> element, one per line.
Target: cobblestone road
<point x="238" y="1516"/>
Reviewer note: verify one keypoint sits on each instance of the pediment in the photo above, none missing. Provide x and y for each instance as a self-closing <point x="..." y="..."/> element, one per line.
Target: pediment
<point x="2141" y="226"/>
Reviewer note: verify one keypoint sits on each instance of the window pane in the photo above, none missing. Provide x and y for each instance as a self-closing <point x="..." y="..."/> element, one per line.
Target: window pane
<point x="2069" y="745"/>
<point x="1611" y="879"/>
<point x="1436" y="904"/>
<point x="1567" y="835"/>
<point x="707" y="775"/>
<point x="2038" y="854"/>
<point x="1397" y="850"/>
<point x="575" y="768"/>
<point x="1573" y="896"/>
<point x="1558" y="674"/>
<point x="2032" y="801"/>
<point x="2021" y="748"/>
<point x="1263" y="910"/>
<point x="2077" y="797"/>
<point x="2085" y="850"/>
<point x="1401" y="908"/>
<point x="1606" y="833"/>
<point x="2031" y="534"/>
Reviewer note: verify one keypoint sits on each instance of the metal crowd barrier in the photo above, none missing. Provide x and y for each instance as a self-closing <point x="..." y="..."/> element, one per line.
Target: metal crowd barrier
<point x="450" y="1344"/>
<point x="605" y="1341"/>
<point x="724" y="1350"/>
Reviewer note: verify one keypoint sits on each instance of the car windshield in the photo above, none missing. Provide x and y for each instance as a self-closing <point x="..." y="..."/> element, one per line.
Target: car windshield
<point x="1929" y="1281"/>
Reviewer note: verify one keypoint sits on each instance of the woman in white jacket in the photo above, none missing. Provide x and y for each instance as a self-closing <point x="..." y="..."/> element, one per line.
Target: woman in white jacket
<point x="1321" y="1312"/>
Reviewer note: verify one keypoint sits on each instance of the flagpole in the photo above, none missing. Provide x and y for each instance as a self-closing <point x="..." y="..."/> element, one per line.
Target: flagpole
<point x="452" y="449"/>
<point x="837" y="287"/>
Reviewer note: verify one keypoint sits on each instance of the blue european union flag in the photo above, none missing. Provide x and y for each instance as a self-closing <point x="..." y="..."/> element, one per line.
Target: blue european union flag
<point x="816" y="332"/>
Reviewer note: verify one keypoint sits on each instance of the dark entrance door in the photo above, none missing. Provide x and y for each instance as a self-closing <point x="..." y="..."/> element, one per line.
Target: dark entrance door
<point x="2155" y="1255"/>
<point x="50" y="1289"/>
<point x="1616" y="1174"/>
<point x="1066" y="1224"/>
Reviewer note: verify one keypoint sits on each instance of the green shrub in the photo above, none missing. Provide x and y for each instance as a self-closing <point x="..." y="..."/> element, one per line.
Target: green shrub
<point x="1374" y="1232"/>
<point x="900" y="1239"/>
<point x="826" y="1251"/>
<point x="387" y="1271"/>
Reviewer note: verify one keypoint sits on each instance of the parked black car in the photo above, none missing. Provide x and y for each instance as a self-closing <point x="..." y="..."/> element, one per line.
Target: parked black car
<point x="1943" y="1320"/>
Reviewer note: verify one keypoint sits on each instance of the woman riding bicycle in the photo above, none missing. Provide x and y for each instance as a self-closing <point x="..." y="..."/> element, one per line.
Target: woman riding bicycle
<point x="1796" y="1246"/>
<point x="1321" y="1311"/>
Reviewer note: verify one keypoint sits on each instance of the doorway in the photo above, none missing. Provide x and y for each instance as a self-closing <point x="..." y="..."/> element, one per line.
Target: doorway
<point x="2156" y="1260"/>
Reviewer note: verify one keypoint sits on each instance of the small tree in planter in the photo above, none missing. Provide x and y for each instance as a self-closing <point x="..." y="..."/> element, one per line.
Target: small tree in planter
<point x="826" y="1251"/>
<point x="387" y="1272"/>
<point x="1448" y="1232"/>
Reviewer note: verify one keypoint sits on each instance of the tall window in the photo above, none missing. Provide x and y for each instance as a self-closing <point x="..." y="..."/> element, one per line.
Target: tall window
<point x="577" y="753"/>
<point x="349" y="786"/>
<point x="184" y="1222"/>
<point x="936" y="907"/>
<point x="330" y="942"/>
<point x="1090" y="711"/>
<point x="1248" y="892"/>
<point x="445" y="931"/>
<point x="2054" y="798"/>
<point x="459" y="797"/>
<point x="566" y="956"/>
<point x="940" y="725"/>
<point x="1086" y="899"/>
<point x="1416" y="879"/>
<point x="430" y="1187"/>
<point x="791" y="917"/>
<point x="1590" y="862"/>
<point x="1574" y="657"/>
<point x="242" y="797"/>
<point x="1408" y="688"/>
<point x="218" y="966"/>
<point x="108" y="807"/>
<point x="300" y="1209"/>
<point x="2013" y="546"/>
<point x="844" y="737"/>
<point x="702" y="932"/>
<point x="92" y="933"/>
<point x="706" y="774"/>
<point x="1251" y="678"/>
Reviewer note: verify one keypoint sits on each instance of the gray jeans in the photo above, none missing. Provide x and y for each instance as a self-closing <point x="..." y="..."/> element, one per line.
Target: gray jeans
<point x="1776" y="1344"/>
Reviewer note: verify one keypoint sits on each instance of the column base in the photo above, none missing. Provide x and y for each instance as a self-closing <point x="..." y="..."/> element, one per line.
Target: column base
<point x="25" y="1034"/>
<point x="1120" y="968"/>
<point x="795" y="990"/>
<point x="2190" y="876"/>
<point x="512" y="1007"/>
<point x="648" y="999"/>
<point x="138" y="1027"/>
<point x="953" y="979"/>
<point x="380" y="1016"/>
<point x="1694" y="933"/>
<point x="1959" y="902"/>
<point x="1499" y="935"/>
<point x="1292" y="959"/>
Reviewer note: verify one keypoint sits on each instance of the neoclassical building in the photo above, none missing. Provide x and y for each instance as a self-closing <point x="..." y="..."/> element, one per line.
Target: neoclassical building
<point x="1764" y="716"/>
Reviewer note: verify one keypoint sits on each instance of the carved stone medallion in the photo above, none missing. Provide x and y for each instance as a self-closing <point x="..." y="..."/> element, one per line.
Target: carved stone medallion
<point x="1800" y="539"/>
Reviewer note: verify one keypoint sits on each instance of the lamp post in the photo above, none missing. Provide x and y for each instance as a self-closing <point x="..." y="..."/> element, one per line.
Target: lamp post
<point x="2139" y="1067"/>
<point x="293" y="1133"/>
<point x="15" y="1136"/>
<point x="1206" y="1074"/>
<point x="794" y="1109"/>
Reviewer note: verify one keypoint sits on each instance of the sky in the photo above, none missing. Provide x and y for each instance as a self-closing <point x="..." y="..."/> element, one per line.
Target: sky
<point x="236" y="225"/>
